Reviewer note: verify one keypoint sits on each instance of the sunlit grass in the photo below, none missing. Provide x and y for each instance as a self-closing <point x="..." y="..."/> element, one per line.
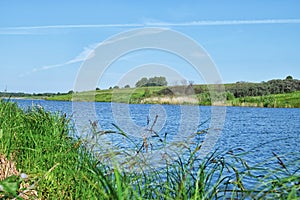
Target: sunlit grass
<point x="122" y="95"/>
<point x="287" y="100"/>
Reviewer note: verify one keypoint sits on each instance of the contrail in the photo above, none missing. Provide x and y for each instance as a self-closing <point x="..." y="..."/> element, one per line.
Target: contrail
<point x="72" y="26"/>
<point x="230" y="22"/>
<point x="162" y="24"/>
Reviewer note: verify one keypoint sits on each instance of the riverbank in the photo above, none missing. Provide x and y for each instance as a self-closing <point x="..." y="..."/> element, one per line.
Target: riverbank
<point x="39" y="144"/>
<point x="287" y="100"/>
<point x="150" y="96"/>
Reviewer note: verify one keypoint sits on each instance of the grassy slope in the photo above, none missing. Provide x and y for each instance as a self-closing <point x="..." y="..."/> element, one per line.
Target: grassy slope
<point x="140" y="95"/>
<point x="118" y="95"/>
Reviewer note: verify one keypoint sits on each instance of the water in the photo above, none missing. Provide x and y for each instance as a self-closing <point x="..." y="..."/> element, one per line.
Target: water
<point x="258" y="131"/>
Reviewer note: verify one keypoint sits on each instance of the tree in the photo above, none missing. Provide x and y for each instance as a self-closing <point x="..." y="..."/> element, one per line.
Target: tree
<point x="97" y="88"/>
<point x="141" y="83"/>
<point x="289" y="78"/>
<point x="116" y="87"/>
<point x="153" y="81"/>
<point x="157" y="81"/>
<point x="127" y="86"/>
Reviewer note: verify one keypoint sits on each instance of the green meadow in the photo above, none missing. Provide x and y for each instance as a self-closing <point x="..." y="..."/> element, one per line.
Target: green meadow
<point x="154" y="95"/>
<point x="122" y="95"/>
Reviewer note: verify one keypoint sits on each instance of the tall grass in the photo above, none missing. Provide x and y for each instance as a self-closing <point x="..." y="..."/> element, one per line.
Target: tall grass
<point x="39" y="142"/>
<point x="60" y="165"/>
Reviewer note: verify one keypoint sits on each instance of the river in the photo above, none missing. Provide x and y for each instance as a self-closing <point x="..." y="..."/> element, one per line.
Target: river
<point x="258" y="131"/>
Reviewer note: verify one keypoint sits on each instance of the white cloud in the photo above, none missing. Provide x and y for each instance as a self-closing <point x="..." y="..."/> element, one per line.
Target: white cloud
<point x="87" y="53"/>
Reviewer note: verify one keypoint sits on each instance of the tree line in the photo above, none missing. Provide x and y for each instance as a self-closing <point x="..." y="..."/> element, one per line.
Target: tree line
<point x="275" y="86"/>
<point x="14" y="94"/>
<point x="239" y="89"/>
<point x="22" y="94"/>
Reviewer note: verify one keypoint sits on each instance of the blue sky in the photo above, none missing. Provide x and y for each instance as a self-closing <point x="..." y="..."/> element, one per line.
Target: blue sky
<point x="43" y="44"/>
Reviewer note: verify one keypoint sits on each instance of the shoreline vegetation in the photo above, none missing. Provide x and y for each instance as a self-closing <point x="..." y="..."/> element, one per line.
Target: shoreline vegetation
<point x="42" y="158"/>
<point x="275" y="93"/>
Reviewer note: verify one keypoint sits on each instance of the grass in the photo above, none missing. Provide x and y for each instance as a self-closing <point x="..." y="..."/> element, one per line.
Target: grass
<point x="124" y="95"/>
<point x="59" y="165"/>
<point x="287" y="100"/>
<point x="39" y="143"/>
<point x="153" y="95"/>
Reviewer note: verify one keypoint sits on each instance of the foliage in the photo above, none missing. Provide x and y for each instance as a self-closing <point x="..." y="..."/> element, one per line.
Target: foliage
<point x="10" y="94"/>
<point x="275" y="86"/>
<point x="141" y="83"/>
<point x="153" y="81"/>
<point x="147" y="93"/>
<point x="179" y="90"/>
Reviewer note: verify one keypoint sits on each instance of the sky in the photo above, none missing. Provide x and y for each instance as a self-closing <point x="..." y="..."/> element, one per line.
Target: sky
<point x="45" y="44"/>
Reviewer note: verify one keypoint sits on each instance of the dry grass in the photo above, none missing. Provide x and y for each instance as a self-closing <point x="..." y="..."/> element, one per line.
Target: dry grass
<point x="172" y="100"/>
<point x="7" y="169"/>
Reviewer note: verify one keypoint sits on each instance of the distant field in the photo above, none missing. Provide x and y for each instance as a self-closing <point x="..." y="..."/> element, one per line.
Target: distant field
<point x="124" y="95"/>
<point x="153" y="95"/>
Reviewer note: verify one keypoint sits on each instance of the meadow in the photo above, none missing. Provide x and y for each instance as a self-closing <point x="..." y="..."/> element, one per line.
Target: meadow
<point x="42" y="158"/>
<point x="158" y="95"/>
<point x="118" y="95"/>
